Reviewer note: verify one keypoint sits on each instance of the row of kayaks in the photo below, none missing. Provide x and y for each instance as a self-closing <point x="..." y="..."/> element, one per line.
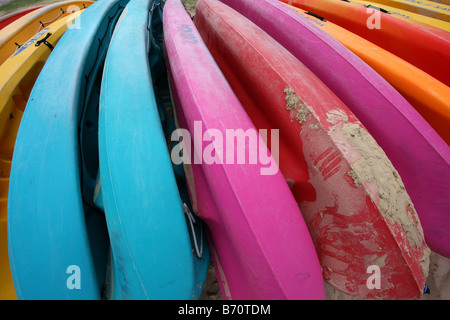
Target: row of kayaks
<point x="287" y="142"/>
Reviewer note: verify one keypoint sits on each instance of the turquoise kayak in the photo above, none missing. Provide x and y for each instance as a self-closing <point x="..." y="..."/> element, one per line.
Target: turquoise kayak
<point x="57" y="236"/>
<point x="156" y="243"/>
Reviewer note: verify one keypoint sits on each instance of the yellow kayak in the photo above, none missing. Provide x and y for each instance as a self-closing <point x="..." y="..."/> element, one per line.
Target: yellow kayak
<point x="426" y="94"/>
<point x="19" y="31"/>
<point x="409" y="16"/>
<point x="427" y="8"/>
<point x="17" y="77"/>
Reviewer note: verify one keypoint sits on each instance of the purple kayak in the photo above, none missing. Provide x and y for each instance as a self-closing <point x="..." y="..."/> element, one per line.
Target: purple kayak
<point x="418" y="153"/>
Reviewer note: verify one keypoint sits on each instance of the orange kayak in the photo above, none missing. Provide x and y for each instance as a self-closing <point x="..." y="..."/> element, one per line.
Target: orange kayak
<point x="427" y="50"/>
<point x="427" y="95"/>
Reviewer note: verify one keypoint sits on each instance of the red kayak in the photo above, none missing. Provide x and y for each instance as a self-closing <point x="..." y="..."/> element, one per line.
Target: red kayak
<point x="353" y="200"/>
<point x="11" y="17"/>
<point x="421" y="47"/>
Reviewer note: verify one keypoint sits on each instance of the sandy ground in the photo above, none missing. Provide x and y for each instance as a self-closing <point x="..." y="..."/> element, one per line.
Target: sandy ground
<point x="439" y="278"/>
<point x="3" y="2"/>
<point x="211" y="291"/>
<point x="438" y="281"/>
<point x="190" y="6"/>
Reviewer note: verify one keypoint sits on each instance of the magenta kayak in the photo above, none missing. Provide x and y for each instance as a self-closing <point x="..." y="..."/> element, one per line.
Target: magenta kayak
<point x="417" y="152"/>
<point x="260" y="244"/>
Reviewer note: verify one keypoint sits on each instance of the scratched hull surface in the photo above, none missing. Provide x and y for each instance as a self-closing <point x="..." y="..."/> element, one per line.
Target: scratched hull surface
<point x="322" y="156"/>
<point x="377" y="105"/>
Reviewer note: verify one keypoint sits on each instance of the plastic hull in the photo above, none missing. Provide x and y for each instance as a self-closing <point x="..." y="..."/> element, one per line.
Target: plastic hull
<point x="56" y="238"/>
<point x="261" y="245"/>
<point x="377" y="105"/>
<point x="321" y="153"/>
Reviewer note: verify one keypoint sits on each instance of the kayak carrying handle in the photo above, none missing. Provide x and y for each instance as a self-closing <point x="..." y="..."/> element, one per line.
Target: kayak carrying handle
<point x="198" y="252"/>
<point x="377" y="8"/>
<point x="44" y="41"/>
<point x="316" y="16"/>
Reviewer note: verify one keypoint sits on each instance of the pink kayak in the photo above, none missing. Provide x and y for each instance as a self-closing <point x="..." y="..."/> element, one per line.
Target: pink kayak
<point x="418" y="153"/>
<point x="260" y="243"/>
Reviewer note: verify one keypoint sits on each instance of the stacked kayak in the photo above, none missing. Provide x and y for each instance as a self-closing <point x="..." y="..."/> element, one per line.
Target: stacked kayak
<point x="380" y="108"/>
<point x="15" y="35"/>
<point x="426" y="94"/>
<point x="57" y="239"/>
<point x="408" y="16"/>
<point x="425" y="49"/>
<point x="19" y="73"/>
<point x="439" y="11"/>
<point x="299" y="146"/>
<point x="103" y="225"/>
<point x="254" y="257"/>
<point x="410" y="82"/>
<point x="151" y="245"/>
<point x="357" y="216"/>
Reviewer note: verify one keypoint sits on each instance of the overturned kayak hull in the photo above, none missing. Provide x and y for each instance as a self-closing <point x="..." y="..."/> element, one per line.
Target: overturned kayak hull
<point x="320" y="153"/>
<point x="151" y="239"/>
<point x="60" y="250"/>
<point x="380" y="108"/>
<point x="17" y="33"/>
<point x="254" y="257"/>
<point x="425" y="49"/>
<point x="19" y="74"/>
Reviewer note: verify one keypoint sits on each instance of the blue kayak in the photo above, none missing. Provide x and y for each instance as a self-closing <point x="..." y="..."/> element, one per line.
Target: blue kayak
<point x="155" y="241"/>
<point x="57" y="235"/>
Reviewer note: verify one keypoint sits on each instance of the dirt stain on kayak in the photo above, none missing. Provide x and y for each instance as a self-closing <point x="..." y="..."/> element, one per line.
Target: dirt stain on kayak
<point x="295" y="103"/>
<point x="392" y="198"/>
